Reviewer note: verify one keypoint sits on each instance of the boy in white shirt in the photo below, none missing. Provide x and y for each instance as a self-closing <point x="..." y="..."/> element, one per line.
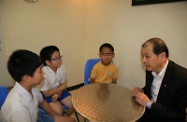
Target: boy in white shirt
<point x="54" y="77"/>
<point x="21" y="104"/>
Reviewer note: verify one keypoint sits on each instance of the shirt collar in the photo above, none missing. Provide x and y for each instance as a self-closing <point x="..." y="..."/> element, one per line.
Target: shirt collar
<point x="23" y="92"/>
<point x="162" y="73"/>
<point x="52" y="70"/>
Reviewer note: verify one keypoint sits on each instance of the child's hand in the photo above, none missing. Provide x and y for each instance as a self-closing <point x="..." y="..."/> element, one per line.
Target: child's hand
<point x="55" y="97"/>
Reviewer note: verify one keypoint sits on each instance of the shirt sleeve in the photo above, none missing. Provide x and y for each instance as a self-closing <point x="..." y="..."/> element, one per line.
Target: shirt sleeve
<point x="93" y="72"/>
<point x="115" y="75"/>
<point x="38" y="95"/>
<point x="45" y="83"/>
<point x="64" y="75"/>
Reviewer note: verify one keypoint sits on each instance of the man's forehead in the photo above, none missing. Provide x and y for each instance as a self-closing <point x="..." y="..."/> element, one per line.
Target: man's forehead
<point x="147" y="50"/>
<point x="147" y="44"/>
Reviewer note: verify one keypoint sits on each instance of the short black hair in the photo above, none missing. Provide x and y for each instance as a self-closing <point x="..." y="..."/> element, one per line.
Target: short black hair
<point x="159" y="46"/>
<point x="23" y="62"/>
<point x="47" y="52"/>
<point x="106" y="45"/>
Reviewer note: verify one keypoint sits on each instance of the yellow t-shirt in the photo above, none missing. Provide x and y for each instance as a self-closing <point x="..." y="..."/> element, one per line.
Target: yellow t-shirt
<point x="104" y="74"/>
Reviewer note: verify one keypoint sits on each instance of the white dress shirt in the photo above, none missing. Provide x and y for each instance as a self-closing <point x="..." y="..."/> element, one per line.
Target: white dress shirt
<point x="20" y="105"/>
<point x="157" y="81"/>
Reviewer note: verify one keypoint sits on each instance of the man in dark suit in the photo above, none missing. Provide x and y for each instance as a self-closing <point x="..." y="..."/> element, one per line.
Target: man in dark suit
<point x="165" y="91"/>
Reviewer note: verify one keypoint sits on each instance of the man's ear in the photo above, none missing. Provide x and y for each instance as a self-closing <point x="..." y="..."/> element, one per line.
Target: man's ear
<point x="163" y="55"/>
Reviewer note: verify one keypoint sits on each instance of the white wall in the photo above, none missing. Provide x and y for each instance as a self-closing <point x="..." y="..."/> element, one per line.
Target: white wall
<point x="4" y="76"/>
<point x="127" y="27"/>
<point x="79" y="27"/>
<point x="35" y="25"/>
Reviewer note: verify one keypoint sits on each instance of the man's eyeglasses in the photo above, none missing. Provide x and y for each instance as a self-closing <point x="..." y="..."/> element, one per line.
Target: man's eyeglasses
<point x="57" y="58"/>
<point x="107" y="54"/>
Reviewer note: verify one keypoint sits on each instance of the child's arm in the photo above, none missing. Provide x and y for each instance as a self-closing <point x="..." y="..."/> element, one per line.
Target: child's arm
<point x="53" y="91"/>
<point x="57" y="95"/>
<point x="93" y="74"/>
<point x="114" y="81"/>
<point x="47" y="108"/>
<point x="62" y="84"/>
<point x="92" y="80"/>
<point x="115" y="76"/>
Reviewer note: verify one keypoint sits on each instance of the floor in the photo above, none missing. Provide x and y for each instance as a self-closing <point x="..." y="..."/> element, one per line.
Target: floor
<point x="81" y="119"/>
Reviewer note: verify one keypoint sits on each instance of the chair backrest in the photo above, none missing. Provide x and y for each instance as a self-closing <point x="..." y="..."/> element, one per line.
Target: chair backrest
<point x="3" y="94"/>
<point x="88" y="68"/>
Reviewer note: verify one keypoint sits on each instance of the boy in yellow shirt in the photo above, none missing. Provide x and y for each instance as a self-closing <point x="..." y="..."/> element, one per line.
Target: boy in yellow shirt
<point x="105" y="71"/>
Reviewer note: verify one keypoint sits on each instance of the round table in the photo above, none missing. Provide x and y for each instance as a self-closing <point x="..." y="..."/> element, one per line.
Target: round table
<point x="100" y="102"/>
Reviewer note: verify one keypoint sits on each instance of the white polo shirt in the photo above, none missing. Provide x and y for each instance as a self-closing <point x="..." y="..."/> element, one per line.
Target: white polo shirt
<point x="20" y="105"/>
<point x="1" y="117"/>
<point x="52" y="79"/>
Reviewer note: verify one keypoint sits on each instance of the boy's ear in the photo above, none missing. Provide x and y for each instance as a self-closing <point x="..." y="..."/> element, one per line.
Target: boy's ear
<point x="47" y="62"/>
<point x="26" y="78"/>
<point x="99" y="55"/>
<point x="113" y="55"/>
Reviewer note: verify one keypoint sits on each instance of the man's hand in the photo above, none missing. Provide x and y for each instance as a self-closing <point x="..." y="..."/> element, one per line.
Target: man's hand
<point x="141" y="98"/>
<point x="136" y="90"/>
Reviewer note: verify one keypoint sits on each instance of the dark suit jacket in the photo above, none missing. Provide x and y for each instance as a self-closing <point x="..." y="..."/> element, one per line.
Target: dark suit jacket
<point x="172" y="97"/>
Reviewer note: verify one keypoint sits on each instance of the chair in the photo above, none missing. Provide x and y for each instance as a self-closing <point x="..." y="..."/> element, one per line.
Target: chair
<point x="3" y="95"/>
<point x="88" y="68"/>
